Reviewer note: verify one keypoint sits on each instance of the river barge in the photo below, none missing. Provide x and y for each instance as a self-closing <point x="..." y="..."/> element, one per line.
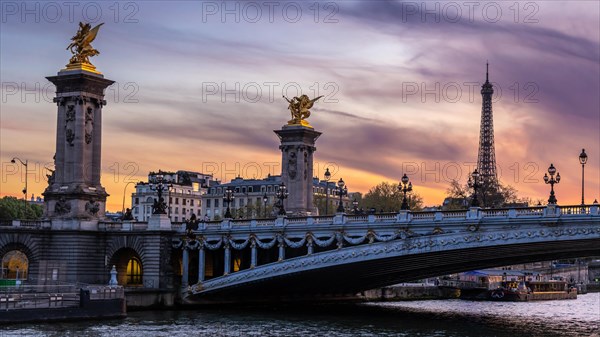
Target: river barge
<point x="28" y="304"/>
<point x="495" y="285"/>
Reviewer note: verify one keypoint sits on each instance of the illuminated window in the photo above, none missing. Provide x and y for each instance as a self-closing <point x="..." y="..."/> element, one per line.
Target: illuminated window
<point x="134" y="271"/>
<point x="14" y="266"/>
<point x="237" y="264"/>
<point x="208" y="267"/>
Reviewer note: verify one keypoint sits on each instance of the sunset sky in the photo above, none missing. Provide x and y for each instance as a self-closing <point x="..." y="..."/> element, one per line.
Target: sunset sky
<point x="401" y="82"/>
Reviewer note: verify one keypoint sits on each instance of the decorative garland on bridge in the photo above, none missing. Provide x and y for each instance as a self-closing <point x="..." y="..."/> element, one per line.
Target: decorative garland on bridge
<point x="322" y="241"/>
<point x="213" y="246"/>
<point x="292" y="244"/>
<point x="267" y="245"/>
<point x="193" y="245"/>
<point x="239" y="246"/>
<point x="385" y="238"/>
<point x="356" y="240"/>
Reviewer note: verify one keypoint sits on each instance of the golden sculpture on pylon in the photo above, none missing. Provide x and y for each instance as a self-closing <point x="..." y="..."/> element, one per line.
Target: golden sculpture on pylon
<point x="81" y="48"/>
<point x="299" y="108"/>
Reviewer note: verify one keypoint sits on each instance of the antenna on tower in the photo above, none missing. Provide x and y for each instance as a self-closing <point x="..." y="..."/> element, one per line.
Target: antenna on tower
<point x="487" y="71"/>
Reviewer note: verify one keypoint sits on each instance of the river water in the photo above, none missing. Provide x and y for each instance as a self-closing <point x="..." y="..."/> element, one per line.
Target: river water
<point x="455" y="318"/>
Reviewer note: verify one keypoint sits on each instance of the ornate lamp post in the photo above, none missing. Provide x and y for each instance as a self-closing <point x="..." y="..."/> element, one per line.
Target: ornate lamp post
<point x="282" y="194"/>
<point x="159" y="206"/>
<point x="228" y="197"/>
<point x="327" y="178"/>
<point x="405" y="186"/>
<point x="24" y="164"/>
<point x="265" y="199"/>
<point x="124" y="192"/>
<point x="342" y="190"/>
<point x="355" y="206"/>
<point x="552" y="180"/>
<point x="582" y="160"/>
<point x="474" y="184"/>
<point x="169" y="190"/>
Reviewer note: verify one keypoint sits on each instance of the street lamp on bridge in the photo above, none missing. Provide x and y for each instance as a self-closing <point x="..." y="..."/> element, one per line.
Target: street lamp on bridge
<point x="265" y="199"/>
<point x="552" y="180"/>
<point x="124" y="193"/>
<point x="405" y="186"/>
<point x="327" y="178"/>
<point x="474" y="184"/>
<point x="582" y="160"/>
<point x="228" y="197"/>
<point x="159" y="206"/>
<point x="282" y="194"/>
<point x="355" y="206"/>
<point x="342" y="190"/>
<point x="24" y="164"/>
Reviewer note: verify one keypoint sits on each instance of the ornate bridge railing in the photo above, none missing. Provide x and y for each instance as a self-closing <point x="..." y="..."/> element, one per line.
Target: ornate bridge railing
<point x="242" y="245"/>
<point x="403" y="217"/>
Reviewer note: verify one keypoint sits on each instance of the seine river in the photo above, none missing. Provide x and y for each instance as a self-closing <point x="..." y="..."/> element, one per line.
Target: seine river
<point x="579" y="317"/>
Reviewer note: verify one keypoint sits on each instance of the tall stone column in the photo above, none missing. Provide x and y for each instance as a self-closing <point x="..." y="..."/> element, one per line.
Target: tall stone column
<point x="75" y="191"/>
<point x="297" y="149"/>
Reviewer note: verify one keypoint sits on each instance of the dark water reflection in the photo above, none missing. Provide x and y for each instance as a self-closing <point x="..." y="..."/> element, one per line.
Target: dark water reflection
<point x="453" y="318"/>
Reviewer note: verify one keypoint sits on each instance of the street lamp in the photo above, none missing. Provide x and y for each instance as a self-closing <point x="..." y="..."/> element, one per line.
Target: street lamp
<point x="265" y="199"/>
<point x="405" y="186"/>
<point x="228" y="198"/>
<point x="282" y="194"/>
<point x="125" y="191"/>
<point x="474" y="184"/>
<point x="342" y="190"/>
<point x="159" y="206"/>
<point x="25" y="189"/>
<point x="24" y="164"/>
<point x="582" y="160"/>
<point x="169" y="190"/>
<point x="355" y="206"/>
<point x="551" y="180"/>
<point x="327" y="178"/>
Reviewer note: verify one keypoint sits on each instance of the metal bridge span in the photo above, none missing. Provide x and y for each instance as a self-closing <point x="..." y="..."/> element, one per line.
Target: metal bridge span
<point x="343" y="254"/>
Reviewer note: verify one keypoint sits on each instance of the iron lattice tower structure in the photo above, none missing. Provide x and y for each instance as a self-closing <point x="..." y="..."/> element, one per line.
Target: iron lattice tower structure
<point x="486" y="159"/>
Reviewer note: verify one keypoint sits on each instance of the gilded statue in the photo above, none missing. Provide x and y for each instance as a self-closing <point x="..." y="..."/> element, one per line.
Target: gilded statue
<point x="81" y="47"/>
<point x="300" y="109"/>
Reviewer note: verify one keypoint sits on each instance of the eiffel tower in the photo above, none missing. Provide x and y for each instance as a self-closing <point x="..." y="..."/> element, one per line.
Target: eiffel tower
<point x="486" y="159"/>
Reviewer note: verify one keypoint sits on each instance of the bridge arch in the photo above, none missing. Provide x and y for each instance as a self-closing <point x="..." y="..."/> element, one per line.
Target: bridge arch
<point x="129" y="267"/>
<point x="19" y="252"/>
<point x="128" y="255"/>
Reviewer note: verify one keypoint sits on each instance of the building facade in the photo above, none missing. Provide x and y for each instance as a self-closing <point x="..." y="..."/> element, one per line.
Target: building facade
<point x="183" y="195"/>
<point x="255" y="198"/>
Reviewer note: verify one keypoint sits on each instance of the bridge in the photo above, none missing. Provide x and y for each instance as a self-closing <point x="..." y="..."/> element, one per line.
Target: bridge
<point x="301" y="257"/>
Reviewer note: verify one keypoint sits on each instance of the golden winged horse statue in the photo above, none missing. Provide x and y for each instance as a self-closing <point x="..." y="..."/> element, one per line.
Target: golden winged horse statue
<point x="81" y="46"/>
<point x="299" y="108"/>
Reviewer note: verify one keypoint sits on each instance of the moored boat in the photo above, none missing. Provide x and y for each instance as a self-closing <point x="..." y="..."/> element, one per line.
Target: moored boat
<point x="532" y="291"/>
<point x="509" y="285"/>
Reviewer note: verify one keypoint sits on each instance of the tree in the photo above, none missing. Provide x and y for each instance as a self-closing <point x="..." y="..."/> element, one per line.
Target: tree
<point x="12" y="208"/>
<point x="386" y="197"/>
<point x="460" y="196"/>
<point x="457" y="196"/>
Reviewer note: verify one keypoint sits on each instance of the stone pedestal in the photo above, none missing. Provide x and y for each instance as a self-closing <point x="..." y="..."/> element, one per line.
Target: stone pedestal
<point x="474" y="213"/>
<point x="74" y="190"/>
<point x="159" y="222"/>
<point x="297" y="148"/>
